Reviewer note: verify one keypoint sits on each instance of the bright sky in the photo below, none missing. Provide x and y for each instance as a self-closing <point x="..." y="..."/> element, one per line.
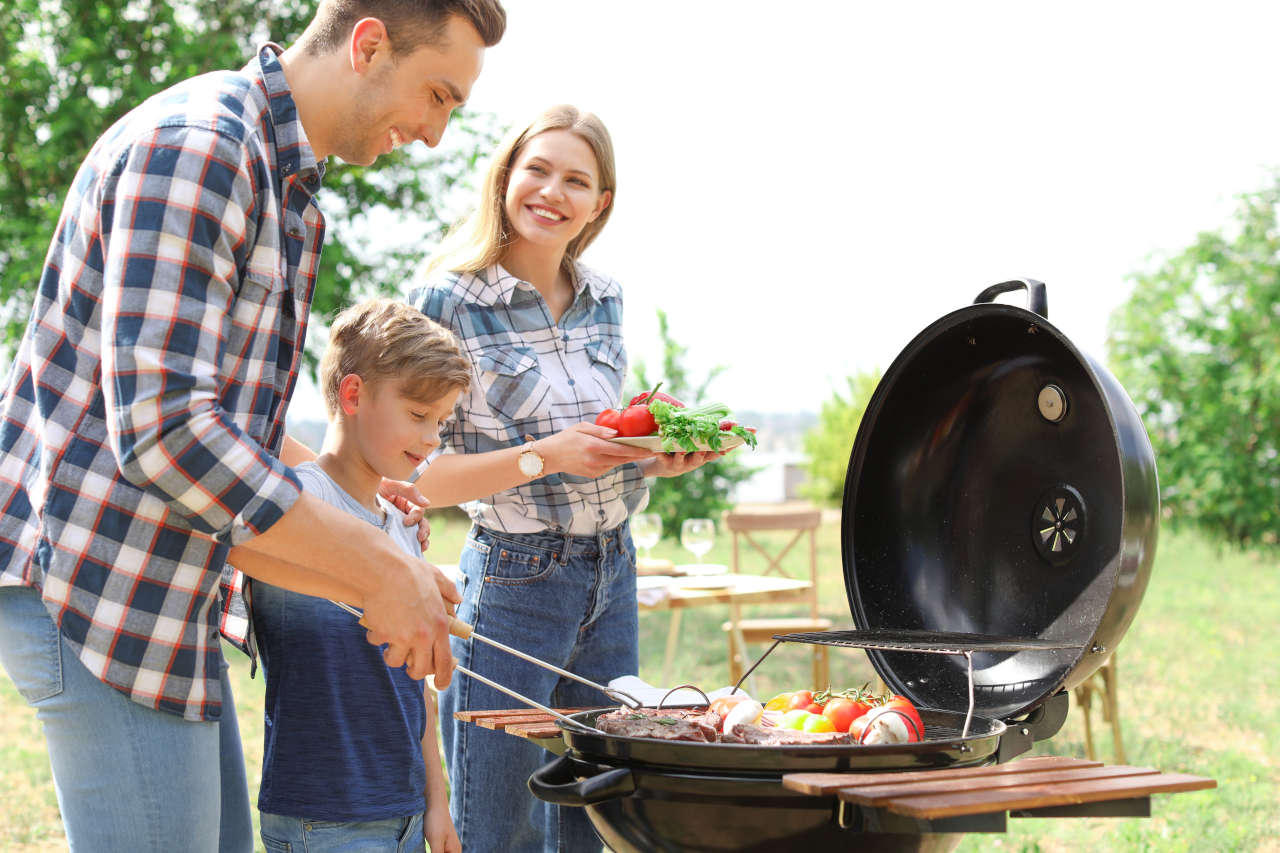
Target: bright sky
<point x="803" y="191"/>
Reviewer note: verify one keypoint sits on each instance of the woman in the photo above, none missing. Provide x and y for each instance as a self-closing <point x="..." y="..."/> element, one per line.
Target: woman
<point x="548" y="566"/>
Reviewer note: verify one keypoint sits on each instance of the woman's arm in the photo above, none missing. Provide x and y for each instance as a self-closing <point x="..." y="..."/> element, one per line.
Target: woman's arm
<point x="437" y="826"/>
<point x="582" y="449"/>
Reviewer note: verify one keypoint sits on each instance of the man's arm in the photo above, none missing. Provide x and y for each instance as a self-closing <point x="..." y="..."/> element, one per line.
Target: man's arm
<point x="182" y="228"/>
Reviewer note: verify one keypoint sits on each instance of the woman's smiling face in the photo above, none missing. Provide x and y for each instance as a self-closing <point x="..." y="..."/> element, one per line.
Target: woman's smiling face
<point x="553" y="189"/>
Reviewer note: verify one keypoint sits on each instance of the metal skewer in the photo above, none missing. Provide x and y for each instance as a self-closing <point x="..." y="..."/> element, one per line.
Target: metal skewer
<point x="464" y="631"/>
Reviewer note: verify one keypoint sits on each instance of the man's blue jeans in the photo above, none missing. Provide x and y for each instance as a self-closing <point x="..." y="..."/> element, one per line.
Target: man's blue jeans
<point x="570" y="601"/>
<point x="128" y="778"/>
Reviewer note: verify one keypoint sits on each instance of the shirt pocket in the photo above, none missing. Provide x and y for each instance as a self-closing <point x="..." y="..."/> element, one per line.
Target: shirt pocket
<point x="256" y="355"/>
<point x="513" y="385"/>
<point x="609" y="367"/>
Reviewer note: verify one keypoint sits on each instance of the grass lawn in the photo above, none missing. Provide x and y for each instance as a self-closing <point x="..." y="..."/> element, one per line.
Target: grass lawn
<point x="1199" y="694"/>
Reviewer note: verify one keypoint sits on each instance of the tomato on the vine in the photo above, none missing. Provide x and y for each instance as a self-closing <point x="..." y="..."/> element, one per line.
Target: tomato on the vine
<point x="842" y="711"/>
<point x="800" y="700"/>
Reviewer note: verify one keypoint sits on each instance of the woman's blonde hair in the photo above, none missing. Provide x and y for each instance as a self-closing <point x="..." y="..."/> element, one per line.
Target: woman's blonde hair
<point x="385" y="339"/>
<point x="480" y="240"/>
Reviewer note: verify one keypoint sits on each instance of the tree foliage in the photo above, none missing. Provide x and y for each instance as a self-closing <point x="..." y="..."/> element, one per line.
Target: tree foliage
<point x="69" y="68"/>
<point x="1197" y="345"/>
<point x="828" y="445"/>
<point x="702" y="493"/>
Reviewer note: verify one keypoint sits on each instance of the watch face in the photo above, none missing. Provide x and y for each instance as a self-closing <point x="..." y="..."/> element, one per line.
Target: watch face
<point x="530" y="464"/>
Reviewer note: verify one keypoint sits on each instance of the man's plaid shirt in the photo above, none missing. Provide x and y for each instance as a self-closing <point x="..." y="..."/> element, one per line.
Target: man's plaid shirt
<point x="141" y="421"/>
<point x="533" y="377"/>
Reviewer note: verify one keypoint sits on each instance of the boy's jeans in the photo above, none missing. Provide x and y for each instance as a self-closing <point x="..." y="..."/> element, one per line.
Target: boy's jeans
<point x="128" y="778"/>
<point x="295" y="834"/>
<point x="567" y="600"/>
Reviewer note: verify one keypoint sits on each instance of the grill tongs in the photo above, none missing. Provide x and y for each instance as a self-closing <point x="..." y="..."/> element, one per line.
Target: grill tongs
<point x="462" y="630"/>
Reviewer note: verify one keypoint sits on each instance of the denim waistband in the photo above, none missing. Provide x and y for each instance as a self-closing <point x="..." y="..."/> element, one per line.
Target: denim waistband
<point x="563" y="545"/>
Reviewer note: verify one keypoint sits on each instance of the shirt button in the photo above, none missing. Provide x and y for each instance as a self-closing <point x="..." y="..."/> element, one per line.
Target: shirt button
<point x="565" y="339"/>
<point x="571" y="382"/>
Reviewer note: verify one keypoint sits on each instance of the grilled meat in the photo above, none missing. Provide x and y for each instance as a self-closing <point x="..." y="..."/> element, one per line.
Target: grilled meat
<point x="749" y="733"/>
<point x="664" y="724"/>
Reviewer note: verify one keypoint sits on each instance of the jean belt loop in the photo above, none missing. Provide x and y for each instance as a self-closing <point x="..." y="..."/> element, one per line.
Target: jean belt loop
<point x="566" y="547"/>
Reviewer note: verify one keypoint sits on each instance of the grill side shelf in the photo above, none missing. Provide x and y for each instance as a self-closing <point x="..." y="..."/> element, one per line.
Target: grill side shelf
<point x="1029" y="785"/>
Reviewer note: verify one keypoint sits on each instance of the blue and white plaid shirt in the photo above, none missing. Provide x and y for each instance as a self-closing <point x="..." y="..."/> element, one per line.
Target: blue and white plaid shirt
<point x="533" y="377"/>
<point x="142" y="418"/>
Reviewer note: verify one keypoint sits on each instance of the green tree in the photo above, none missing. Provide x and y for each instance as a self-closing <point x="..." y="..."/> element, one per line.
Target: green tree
<point x="702" y="493"/>
<point x="828" y="445"/>
<point x="69" y="68"/>
<point x="1197" y="345"/>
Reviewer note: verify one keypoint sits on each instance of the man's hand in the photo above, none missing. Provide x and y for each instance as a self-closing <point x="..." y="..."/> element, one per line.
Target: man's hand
<point x="406" y="498"/>
<point x="412" y="619"/>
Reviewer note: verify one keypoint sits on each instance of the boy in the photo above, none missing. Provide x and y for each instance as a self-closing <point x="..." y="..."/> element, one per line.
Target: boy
<point x="350" y="742"/>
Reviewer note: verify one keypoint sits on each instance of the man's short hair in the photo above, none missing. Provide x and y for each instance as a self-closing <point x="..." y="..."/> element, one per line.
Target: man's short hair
<point x="410" y="24"/>
<point x="384" y="339"/>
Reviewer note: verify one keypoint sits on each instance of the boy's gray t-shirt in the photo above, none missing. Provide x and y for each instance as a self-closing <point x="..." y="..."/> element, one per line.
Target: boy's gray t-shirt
<point x="343" y="730"/>
<point x="315" y="481"/>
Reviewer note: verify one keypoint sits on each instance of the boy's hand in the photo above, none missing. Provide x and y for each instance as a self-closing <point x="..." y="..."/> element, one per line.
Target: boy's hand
<point x="406" y="498"/>
<point x="438" y="830"/>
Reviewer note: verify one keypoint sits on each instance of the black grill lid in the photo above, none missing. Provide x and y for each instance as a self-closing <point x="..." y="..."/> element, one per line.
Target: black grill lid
<point x="1001" y="488"/>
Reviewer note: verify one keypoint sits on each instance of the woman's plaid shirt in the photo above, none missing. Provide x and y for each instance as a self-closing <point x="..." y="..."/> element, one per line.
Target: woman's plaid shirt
<point x="535" y="377"/>
<point x="141" y="419"/>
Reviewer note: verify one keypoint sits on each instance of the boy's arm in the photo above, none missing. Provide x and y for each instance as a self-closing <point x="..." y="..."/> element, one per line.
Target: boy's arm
<point x="437" y="825"/>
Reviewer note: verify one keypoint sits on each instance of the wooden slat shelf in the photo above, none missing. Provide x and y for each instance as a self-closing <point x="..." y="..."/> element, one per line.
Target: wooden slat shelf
<point x="1026" y="785"/>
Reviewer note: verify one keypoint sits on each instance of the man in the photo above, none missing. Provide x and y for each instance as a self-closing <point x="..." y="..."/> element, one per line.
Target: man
<point x="145" y="413"/>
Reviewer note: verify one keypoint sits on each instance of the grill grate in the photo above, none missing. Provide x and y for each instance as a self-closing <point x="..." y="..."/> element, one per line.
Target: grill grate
<point x="928" y="642"/>
<point x="934" y="642"/>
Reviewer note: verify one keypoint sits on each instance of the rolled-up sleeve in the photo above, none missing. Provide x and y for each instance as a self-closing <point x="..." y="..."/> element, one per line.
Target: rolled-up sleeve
<point x="181" y="214"/>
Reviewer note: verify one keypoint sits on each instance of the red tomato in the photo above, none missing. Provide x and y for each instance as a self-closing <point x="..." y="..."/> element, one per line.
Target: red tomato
<point x="666" y="398"/>
<point x="636" y="420"/>
<point x="726" y="425"/>
<point x="608" y="418"/>
<point x="815" y="708"/>
<point x="842" y="712"/>
<point x="800" y="700"/>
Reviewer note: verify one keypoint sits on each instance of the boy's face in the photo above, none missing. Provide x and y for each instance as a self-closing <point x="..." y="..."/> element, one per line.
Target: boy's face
<point x="394" y="432"/>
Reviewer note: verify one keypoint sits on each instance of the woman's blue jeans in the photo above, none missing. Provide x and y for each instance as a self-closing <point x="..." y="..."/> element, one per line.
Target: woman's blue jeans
<point x="566" y="600"/>
<point x="128" y="778"/>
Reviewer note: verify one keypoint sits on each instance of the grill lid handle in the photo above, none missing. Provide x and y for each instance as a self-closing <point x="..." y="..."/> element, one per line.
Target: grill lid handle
<point x="1037" y="296"/>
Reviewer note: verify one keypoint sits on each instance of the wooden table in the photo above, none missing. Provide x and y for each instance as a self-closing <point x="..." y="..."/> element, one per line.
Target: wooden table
<point x="740" y="590"/>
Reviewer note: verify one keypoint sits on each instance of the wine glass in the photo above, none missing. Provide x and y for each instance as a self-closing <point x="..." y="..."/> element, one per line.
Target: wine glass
<point x="697" y="535"/>
<point x="646" y="530"/>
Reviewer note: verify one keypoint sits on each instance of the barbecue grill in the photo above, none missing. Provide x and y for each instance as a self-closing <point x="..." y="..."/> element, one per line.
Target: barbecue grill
<point x="998" y="529"/>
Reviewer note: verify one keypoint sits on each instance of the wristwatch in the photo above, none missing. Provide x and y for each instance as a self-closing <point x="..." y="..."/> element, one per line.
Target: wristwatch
<point x="530" y="461"/>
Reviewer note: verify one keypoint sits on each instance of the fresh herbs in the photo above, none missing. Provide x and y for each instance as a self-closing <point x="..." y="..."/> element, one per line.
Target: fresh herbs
<point x="695" y="427"/>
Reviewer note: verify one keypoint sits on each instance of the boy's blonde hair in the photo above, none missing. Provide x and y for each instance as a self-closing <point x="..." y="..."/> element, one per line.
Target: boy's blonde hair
<point x="386" y="339"/>
<point x="481" y="239"/>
